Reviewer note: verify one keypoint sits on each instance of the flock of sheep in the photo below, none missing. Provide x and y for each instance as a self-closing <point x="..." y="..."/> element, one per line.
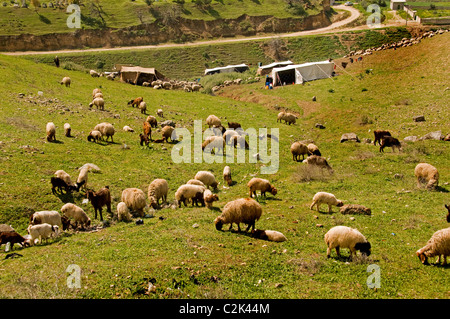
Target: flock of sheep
<point x="202" y="188"/>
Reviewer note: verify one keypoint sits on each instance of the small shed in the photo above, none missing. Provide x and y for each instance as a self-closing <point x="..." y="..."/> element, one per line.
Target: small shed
<point x="267" y="69"/>
<point x="228" y="69"/>
<point x="138" y="75"/>
<point x="397" y="4"/>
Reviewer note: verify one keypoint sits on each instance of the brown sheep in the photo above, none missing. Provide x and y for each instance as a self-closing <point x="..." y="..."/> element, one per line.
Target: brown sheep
<point x="262" y="185"/>
<point x="136" y="102"/>
<point x="13" y="238"/>
<point x="100" y="198"/>
<point x="379" y="134"/>
<point x="147" y="129"/>
<point x="389" y="141"/>
<point x="234" y="125"/>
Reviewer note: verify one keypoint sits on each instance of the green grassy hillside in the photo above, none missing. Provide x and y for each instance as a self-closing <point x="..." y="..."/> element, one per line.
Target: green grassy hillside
<point x="180" y="248"/>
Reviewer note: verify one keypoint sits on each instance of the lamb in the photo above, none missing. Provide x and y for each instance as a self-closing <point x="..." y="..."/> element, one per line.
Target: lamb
<point x="157" y="190"/>
<point x="169" y="132"/>
<point x="213" y="142"/>
<point x="135" y="200"/>
<point x="123" y="213"/>
<point x="51" y="217"/>
<point x="107" y="129"/>
<point x="318" y="161"/>
<point x="346" y="237"/>
<point x="262" y="185"/>
<point x="313" y="149"/>
<point x="66" y="81"/>
<point x="207" y="178"/>
<point x="379" y="134"/>
<point x="213" y="120"/>
<point x="437" y="245"/>
<point x="325" y="198"/>
<point x="98" y="102"/>
<point x="426" y="173"/>
<point x="143" y="107"/>
<point x="76" y="213"/>
<point x="227" y="175"/>
<point x="190" y="192"/>
<point x="160" y="113"/>
<point x="389" y="141"/>
<point x="270" y="235"/>
<point x="234" y="125"/>
<point x="95" y="136"/>
<point x="209" y="198"/>
<point x="42" y="231"/>
<point x="98" y="199"/>
<point x="152" y="121"/>
<point x="67" y="129"/>
<point x="51" y="131"/>
<point x="297" y="149"/>
<point x="136" y="102"/>
<point x="13" y="238"/>
<point x="242" y="210"/>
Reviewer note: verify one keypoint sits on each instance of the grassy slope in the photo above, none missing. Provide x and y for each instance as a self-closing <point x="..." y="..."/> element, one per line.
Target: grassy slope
<point x="404" y="83"/>
<point x="120" y="14"/>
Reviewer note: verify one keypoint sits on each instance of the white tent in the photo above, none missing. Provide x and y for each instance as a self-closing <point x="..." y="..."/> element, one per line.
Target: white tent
<point x="266" y="69"/>
<point x="227" y="69"/>
<point x="299" y="73"/>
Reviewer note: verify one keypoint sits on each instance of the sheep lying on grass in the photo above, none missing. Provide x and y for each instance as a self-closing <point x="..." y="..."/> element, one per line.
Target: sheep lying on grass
<point x="42" y="231"/>
<point x="318" y="161"/>
<point x="325" y="198"/>
<point x="157" y="190"/>
<point x="346" y="237"/>
<point x="270" y="235"/>
<point x="437" y="245"/>
<point x="242" y="210"/>
<point x="426" y="173"/>
<point x="259" y="184"/>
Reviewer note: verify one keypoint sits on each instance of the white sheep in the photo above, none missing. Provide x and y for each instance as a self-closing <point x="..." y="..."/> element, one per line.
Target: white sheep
<point x="95" y="136"/>
<point x="98" y="95"/>
<point x="426" y="173"/>
<point x="95" y="91"/>
<point x="213" y="142"/>
<point x="270" y="235"/>
<point x="157" y="190"/>
<point x="346" y="237"/>
<point x="152" y="121"/>
<point x="135" y="200"/>
<point x="437" y="245"/>
<point x="107" y="129"/>
<point x="91" y="167"/>
<point x="160" y="113"/>
<point x="195" y="182"/>
<point x="94" y="73"/>
<point x="143" y="107"/>
<point x="213" y="120"/>
<point x="262" y="185"/>
<point x="325" y="198"/>
<point x="83" y="177"/>
<point x="287" y="117"/>
<point x="127" y="128"/>
<point x="189" y="192"/>
<point x="64" y="176"/>
<point x="209" y="198"/>
<point x="227" y="175"/>
<point x="313" y="149"/>
<point x="51" y="131"/>
<point x="66" y="81"/>
<point x="123" y="213"/>
<point x="242" y="210"/>
<point x="98" y="102"/>
<point x="42" y="231"/>
<point x="206" y="178"/>
<point x="51" y="217"/>
<point x="297" y="149"/>
<point x="76" y="213"/>
<point x="67" y="129"/>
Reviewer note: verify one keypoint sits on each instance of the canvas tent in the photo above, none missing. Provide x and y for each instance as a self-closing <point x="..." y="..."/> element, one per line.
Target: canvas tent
<point x="267" y="69"/>
<point x="138" y="75"/>
<point x="299" y="73"/>
<point x="227" y="69"/>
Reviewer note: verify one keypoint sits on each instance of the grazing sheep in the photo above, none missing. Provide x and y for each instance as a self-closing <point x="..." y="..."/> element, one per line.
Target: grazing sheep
<point x="213" y="120"/>
<point x="160" y="113"/>
<point x="51" y="217"/>
<point x="318" y="161"/>
<point x="157" y="190"/>
<point x="91" y="167"/>
<point x="242" y="210"/>
<point x="280" y="116"/>
<point x="168" y="132"/>
<point x="325" y="198"/>
<point x="95" y="136"/>
<point x="143" y="107"/>
<point x="152" y="121"/>
<point x="389" y="141"/>
<point x="66" y="81"/>
<point x="448" y="215"/>
<point x="147" y="129"/>
<point x="143" y="139"/>
<point x="136" y="102"/>
<point x="297" y="149"/>
<point x="123" y="213"/>
<point x="262" y="185"/>
<point x="59" y="184"/>
<point x="135" y="200"/>
<point x="234" y="125"/>
<point x="227" y="175"/>
<point x="313" y="149"/>
<point x="13" y="238"/>
<point x="51" y="131"/>
<point x="346" y="237"/>
<point x="98" y="199"/>
<point x="95" y="91"/>
<point x="437" y="245"/>
<point x="83" y="177"/>
<point x="240" y="141"/>
<point x="288" y="118"/>
<point x="213" y="142"/>
<point x="270" y="235"/>
<point x="100" y="94"/>
<point x="98" y="102"/>
<point x="67" y="129"/>
<point x="426" y="173"/>
<point x="64" y="176"/>
<point x="42" y="231"/>
<point x="228" y="135"/>
<point x="207" y="178"/>
<point x="195" y="182"/>
<point x="76" y="213"/>
<point x="379" y="134"/>
<point x="209" y="198"/>
<point x="190" y="192"/>
<point x="107" y="129"/>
